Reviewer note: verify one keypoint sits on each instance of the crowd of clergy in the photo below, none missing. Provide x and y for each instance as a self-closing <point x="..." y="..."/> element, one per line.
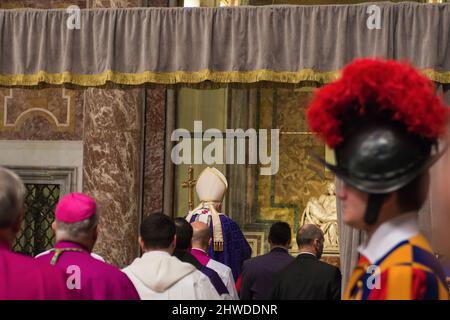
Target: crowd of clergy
<point x="174" y="265"/>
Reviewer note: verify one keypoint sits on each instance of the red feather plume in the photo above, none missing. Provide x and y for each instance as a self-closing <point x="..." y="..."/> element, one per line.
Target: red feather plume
<point x="394" y="90"/>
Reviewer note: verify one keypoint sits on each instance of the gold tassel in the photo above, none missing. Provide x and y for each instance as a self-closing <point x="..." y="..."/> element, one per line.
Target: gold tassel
<point x="218" y="246"/>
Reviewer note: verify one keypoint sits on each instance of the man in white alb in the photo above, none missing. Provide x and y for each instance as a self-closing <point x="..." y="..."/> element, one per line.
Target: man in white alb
<point x="157" y="275"/>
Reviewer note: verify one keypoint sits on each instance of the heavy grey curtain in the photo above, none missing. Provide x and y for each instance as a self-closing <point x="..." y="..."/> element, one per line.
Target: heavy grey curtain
<point x="285" y="44"/>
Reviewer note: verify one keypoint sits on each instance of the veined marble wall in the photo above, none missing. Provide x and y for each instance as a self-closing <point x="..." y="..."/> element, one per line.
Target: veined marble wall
<point x="112" y="159"/>
<point x="109" y="124"/>
<point x="154" y="151"/>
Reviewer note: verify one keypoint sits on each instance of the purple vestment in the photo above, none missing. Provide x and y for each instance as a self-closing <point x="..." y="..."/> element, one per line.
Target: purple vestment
<point x="24" y="278"/>
<point x="235" y="247"/>
<point x="98" y="280"/>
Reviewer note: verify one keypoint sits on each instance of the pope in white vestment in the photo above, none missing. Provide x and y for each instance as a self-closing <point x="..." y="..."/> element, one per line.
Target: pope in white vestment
<point x="228" y="243"/>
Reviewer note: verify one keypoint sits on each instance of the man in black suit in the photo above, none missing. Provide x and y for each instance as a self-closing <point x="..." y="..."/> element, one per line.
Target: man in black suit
<point x="259" y="273"/>
<point x="308" y="278"/>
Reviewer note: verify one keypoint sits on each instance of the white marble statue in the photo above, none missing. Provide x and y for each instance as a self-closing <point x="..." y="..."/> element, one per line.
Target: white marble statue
<point x="322" y="212"/>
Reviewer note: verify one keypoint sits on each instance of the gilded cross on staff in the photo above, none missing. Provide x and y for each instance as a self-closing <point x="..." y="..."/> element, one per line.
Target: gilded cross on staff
<point x="190" y="184"/>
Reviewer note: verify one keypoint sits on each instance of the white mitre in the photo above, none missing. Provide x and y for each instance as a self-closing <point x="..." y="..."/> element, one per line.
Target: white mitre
<point x="211" y="185"/>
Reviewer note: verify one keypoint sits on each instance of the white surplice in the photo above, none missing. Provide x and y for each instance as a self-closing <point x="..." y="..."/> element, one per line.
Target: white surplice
<point x="159" y="276"/>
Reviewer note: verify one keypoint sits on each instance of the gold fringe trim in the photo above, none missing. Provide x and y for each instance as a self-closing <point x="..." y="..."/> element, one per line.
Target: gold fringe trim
<point x="166" y="78"/>
<point x="437" y="76"/>
<point x="184" y="77"/>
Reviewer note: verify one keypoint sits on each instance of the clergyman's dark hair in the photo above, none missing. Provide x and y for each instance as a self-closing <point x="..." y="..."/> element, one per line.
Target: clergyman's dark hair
<point x="280" y="233"/>
<point x="184" y="233"/>
<point x="157" y="231"/>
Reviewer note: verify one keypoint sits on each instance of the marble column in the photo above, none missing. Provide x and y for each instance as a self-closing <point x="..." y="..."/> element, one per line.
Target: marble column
<point x="155" y="136"/>
<point x="113" y="136"/>
<point x="112" y="162"/>
<point x="154" y="151"/>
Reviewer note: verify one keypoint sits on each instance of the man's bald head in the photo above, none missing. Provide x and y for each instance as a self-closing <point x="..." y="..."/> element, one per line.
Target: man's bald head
<point x="201" y="235"/>
<point x="310" y="239"/>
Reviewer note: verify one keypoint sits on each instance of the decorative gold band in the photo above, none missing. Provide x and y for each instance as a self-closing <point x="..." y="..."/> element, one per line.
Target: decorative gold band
<point x="167" y="78"/>
<point x="437" y="76"/>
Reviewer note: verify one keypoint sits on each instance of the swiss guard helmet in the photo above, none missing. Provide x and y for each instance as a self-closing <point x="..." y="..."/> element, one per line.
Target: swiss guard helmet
<point x="383" y="119"/>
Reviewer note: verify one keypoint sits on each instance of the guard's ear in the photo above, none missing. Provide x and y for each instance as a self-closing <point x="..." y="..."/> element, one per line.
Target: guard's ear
<point x="390" y="200"/>
<point x="54" y="226"/>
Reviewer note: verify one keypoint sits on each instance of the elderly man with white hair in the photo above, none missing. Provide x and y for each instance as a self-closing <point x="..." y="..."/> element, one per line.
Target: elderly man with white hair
<point x="22" y="277"/>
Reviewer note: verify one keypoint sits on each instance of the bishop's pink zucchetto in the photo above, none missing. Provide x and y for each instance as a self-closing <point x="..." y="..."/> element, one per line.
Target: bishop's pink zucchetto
<point x="75" y="207"/>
